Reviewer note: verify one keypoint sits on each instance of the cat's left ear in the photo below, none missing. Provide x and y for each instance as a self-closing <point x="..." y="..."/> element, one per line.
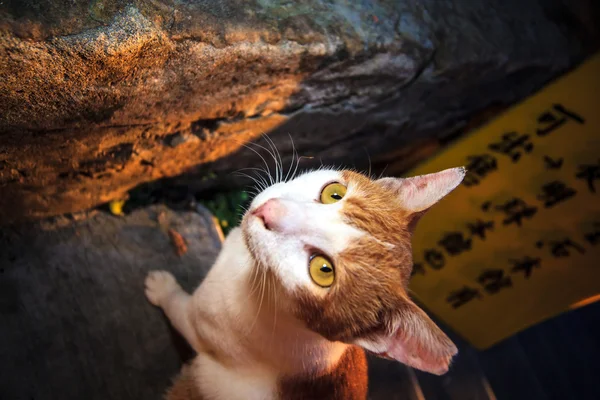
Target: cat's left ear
<point x="418" y="193"/>
<point x="414" y="340"/>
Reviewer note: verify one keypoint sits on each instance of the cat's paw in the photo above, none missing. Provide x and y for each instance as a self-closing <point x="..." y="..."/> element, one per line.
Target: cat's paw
<point x="159" y="285"/>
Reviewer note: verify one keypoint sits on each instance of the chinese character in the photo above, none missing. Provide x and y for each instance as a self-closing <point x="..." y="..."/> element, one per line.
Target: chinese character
<point x="593" y="237"/>
<point x="560" y="248"/>
<point x="555" y="192"/>
<point x="460" y="297"/>
<point x="515" y="210"/>
<point x="417" y="269"/>
<point x="553" y="164"/>
<point x="478" y="167"/>
<point x="434" y="258"/>
<point x="455" y="243"/>
<point x="552" y="121"/>
<point x="526" y="265"/>
<point x="493" y="280"/>
<point x="486" y="206"/>
<point x="479" y="227"/>
<point x="511" y="145"/>
<point x="591" y="173"/>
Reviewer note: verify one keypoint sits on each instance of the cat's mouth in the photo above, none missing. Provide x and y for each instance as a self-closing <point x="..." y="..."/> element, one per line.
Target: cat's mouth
<point x="258" y="238"/>
<point x="255" y="226"/>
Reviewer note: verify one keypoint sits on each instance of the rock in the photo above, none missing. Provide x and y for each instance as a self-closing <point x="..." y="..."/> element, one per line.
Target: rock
<point x="75" y="321"/>
<point x="104" y="95"/>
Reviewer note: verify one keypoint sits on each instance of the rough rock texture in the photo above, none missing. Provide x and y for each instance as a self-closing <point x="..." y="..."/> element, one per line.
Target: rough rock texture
<point x="100" y="96"/>
<point x="74" y="320"/>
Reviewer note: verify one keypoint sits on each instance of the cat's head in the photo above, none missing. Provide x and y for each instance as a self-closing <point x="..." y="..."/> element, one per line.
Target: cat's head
<point x="339" y="245"/>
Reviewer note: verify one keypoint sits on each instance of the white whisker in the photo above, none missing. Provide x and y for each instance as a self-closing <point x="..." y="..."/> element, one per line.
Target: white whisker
<point x="255" y="180"/>
<point x="259" y="176"/>
<point x="276" y="151"/>
<point x="263" y="159"/>
<point x="274" y="159"/>
<point x="382" y="172"/>
<point x="262" y="295"/>
<point x="294" y="159"/>
<point x="369" y="157"/>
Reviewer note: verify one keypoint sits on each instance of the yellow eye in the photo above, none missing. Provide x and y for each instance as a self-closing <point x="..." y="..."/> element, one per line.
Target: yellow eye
<point x="332" y="193"/>
<point x="321" y="271"/>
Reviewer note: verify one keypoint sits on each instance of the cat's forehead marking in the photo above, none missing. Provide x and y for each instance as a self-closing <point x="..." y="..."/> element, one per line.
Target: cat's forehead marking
<point x="373" y="208"/>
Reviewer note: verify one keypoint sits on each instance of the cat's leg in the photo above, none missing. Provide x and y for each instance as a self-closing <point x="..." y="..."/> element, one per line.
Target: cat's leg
<point x="163" y="291"/>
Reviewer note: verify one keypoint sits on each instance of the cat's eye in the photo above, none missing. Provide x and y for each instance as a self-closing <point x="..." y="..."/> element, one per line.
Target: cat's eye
<point x="321" y="271"/>
<point x="332" y="193"/>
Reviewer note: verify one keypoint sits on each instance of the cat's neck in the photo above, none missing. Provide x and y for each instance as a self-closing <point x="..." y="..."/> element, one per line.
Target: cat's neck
<point x="250" y="316"/>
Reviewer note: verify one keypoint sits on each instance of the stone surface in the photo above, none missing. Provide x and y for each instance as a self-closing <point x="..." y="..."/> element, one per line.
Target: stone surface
<point x="75" y="321"/>
<point x="104" y="95"/>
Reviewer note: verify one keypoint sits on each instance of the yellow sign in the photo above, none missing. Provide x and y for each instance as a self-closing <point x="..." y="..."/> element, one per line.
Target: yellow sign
<point x="519" y="241"/>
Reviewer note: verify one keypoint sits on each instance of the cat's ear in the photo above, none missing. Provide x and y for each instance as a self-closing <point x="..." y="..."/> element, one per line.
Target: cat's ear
<point x="418" y="193"/>
<point x="415" y="340"/>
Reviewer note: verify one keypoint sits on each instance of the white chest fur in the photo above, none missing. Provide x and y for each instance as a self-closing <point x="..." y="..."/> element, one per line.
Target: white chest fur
<point x="217" y="381"/>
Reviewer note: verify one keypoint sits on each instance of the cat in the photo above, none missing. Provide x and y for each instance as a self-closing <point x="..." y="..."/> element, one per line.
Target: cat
<point x="315" y="275"/>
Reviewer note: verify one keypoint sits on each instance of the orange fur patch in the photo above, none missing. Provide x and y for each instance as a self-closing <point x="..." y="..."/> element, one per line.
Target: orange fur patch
<point x="184" y="386"/>
<point x="372" y="274"/>
<point x="346" y="381"/>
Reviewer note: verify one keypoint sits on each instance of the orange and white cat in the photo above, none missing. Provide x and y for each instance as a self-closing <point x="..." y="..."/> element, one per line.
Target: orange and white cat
<point x="316" y="273"/>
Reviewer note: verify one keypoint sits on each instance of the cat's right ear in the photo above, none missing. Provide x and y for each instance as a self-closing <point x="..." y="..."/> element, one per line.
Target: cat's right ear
<point x="418" y="193"/>
<point x="413" y="339"/>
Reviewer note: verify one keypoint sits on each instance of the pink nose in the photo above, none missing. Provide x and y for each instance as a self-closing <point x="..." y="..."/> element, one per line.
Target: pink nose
<point x="271" y="212"/>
